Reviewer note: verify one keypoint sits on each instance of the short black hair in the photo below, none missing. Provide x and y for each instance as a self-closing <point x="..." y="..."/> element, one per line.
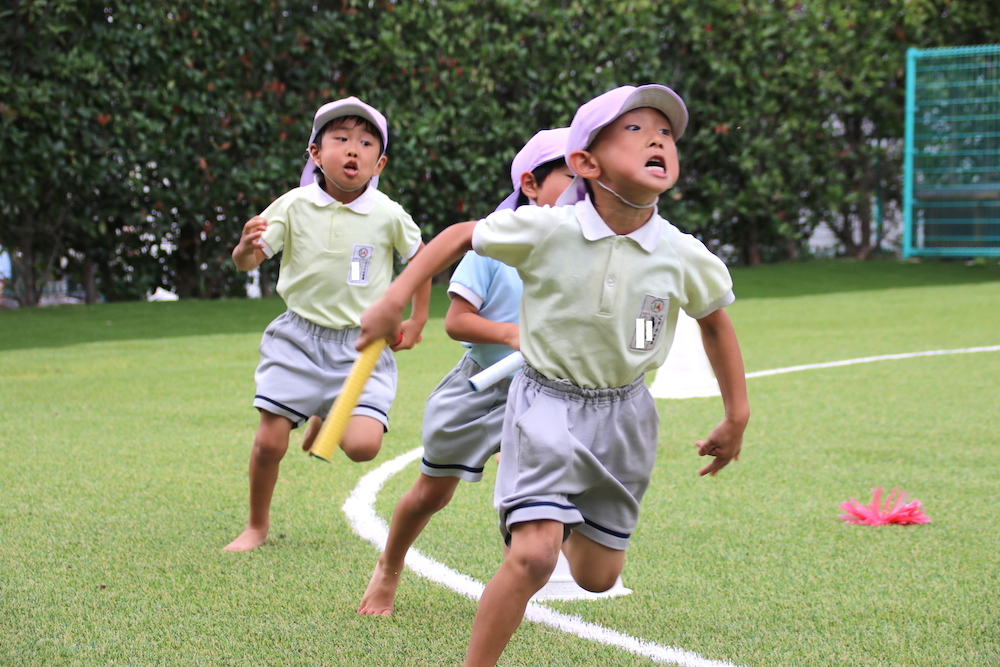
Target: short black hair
<point x="541" y="172"/>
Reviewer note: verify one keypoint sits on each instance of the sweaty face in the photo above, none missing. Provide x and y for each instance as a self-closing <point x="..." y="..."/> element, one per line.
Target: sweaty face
<point x="637" y="154"/>
<point x="349" y="155"/>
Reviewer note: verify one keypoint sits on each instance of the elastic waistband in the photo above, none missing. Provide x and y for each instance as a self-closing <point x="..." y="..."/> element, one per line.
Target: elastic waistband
<point x="345" y="335"/>
<point x="567" y="389"/>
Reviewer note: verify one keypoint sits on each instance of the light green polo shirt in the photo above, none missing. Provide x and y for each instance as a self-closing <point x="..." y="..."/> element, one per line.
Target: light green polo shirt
<point x="337" y="258"/>
<point x="585" y="288"/>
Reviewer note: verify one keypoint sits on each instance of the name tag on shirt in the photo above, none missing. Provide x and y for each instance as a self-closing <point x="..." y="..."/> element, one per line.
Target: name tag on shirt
<point x="361" y="259"/>
<point x="649" y="322"/>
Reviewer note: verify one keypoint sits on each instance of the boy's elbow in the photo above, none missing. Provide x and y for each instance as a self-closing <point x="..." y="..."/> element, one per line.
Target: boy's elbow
<point x="451" y="327"/>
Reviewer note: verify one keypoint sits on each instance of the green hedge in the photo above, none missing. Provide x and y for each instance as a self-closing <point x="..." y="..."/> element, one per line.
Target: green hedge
<point x="138" y="137"/>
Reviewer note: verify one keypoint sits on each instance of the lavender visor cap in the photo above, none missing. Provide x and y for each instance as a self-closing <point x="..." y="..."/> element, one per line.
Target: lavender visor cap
<point x="593" y="116"/>
<point x="545" y="146"/>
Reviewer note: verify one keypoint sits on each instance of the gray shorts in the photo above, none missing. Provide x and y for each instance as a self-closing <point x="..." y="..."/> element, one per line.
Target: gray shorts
<point x="462" y="427"/>
<point x="304" y="365"/>
<point x="579" y="456"/>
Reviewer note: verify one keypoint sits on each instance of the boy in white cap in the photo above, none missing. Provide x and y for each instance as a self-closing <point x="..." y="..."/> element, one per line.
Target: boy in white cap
<point x="338" y="233"/>
<point x="461" y="427"/>
<point x="604" y="279"/>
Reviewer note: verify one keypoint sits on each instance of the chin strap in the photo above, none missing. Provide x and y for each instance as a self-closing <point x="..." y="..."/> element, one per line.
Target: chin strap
<point x="625" y="201"/>
<point x="363" y="185"/>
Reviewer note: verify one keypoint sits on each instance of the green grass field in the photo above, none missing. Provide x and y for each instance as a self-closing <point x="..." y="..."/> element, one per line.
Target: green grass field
<point x="125" y="431"/>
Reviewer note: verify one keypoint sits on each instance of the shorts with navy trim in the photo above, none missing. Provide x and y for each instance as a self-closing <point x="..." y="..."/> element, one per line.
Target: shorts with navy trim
<point x="303" y="367"/>
<point x="582" y="457"/>
<point x="462" y="427"/>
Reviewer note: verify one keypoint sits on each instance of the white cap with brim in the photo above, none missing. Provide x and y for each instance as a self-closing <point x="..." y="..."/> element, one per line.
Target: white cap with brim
<point x="349" y="106"/>
<point x="601" y="111"/>
<point x="545" y="146"/>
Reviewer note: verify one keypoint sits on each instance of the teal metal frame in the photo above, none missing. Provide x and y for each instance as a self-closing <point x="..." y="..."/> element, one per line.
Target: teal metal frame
<point x="951" y="159"/>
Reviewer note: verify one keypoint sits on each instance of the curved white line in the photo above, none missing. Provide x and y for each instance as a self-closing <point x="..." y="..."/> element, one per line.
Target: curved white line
<point x="865" y="360"/>
<point x="360" y="510"/>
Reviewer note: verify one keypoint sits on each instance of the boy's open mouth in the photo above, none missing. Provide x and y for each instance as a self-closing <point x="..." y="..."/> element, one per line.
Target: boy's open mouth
<point x="656" y="165"/>
<point x="351" y="168"/>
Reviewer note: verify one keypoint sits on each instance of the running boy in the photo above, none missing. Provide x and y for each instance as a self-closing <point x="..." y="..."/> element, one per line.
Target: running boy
<point x="603" y="282"/>
<point x="338" y="235"/>
<point x="462" y="427"/>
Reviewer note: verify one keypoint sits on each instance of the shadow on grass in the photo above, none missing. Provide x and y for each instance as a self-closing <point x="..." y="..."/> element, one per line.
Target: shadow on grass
<point x="69" y="325"/>
<point x="57" y="326"/>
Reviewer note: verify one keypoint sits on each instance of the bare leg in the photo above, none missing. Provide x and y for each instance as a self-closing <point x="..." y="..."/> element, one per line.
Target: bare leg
<point x="594" y="566"/>
<point x="534" y="550"/>
<point x="313" y="426"/>
<point x="413" y="511"/>
<point x="269" y="447"/>
<point x="362" y="438"/>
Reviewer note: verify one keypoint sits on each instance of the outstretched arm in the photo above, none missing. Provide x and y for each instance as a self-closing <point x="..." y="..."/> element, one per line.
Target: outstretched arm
<point x="382" y="318"/>
<point x="723" y="351"/>
<point x="419" y="307"/>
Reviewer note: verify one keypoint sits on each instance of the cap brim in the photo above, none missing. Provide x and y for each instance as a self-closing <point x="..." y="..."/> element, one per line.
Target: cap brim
<point x="348" y="109"/>
<point x="655" y="96"/>
<point x="510" y="202"/>
<point x="663" y="100"/>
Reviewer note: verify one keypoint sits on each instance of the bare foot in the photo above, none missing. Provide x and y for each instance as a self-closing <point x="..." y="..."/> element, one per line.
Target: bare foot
<point x="251" y="538"/>
<point x="381" y="592"/>
<point x="313" y="426"/>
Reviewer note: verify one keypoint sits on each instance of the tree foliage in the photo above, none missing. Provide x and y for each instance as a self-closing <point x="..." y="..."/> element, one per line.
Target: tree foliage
<point x="138" y="137"/>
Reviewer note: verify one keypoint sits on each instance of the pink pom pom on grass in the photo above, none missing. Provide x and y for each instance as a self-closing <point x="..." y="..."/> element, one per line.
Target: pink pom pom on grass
<point x="896" y="510"/>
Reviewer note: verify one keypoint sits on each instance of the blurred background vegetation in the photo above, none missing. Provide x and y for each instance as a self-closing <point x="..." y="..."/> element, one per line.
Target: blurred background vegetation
<point x="137" y="137"/>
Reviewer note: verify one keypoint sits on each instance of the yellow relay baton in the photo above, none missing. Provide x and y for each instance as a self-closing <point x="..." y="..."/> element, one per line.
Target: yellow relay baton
<point x="332" y="432"/>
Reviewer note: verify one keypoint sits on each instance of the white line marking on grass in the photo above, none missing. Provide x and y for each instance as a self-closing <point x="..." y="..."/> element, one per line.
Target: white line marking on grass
<point x="865" y="360"/>
<point x="360" y="510"/>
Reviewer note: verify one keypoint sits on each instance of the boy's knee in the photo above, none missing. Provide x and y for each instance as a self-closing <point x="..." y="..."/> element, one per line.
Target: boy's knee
<point x="533" y="553"/>
<point x="434" y="496"/>
<point x="536" y="566"/>
<point x="359" y="452"/>
<point x="268" y="451"/>
<point x="362" y="438"/>
<point x="269" y="447"/>
<point x="596" y="582"/>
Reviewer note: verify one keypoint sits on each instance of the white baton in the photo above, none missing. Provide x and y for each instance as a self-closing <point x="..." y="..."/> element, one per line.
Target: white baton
<point x="498" y="371"/>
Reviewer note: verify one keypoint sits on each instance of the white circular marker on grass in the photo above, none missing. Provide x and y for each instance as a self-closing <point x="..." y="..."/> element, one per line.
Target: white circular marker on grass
<point x="360" y="510"/>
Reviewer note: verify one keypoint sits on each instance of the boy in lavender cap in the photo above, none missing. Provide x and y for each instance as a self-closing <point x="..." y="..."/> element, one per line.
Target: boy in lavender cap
<point x="338" y="235"/>
<point x="604" y="278"/>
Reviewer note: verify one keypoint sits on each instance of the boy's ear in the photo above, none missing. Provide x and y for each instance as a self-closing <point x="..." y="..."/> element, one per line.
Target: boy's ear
<point x="583" y="164"/>
<point x="380" y="165"/>
<point x="314" y="153"/>
<point x="529" y="186"/>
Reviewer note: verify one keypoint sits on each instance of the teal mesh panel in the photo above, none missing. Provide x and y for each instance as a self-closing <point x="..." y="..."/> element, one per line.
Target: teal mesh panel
<point x="952" y="158"/>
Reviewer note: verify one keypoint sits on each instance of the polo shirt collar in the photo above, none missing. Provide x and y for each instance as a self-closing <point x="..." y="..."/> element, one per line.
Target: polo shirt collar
<point x="362" y="205"/>
<point x="594" y="228"/>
